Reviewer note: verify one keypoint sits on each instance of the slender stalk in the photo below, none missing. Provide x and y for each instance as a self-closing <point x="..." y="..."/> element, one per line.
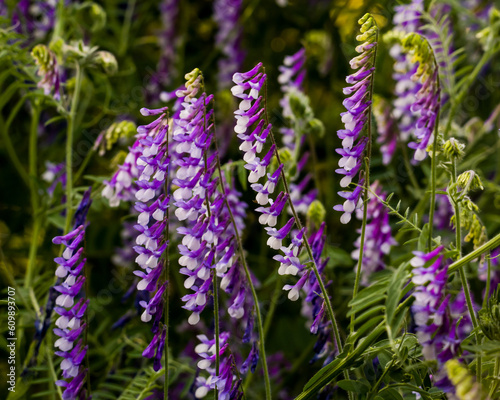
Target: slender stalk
<point x="488" y="282"/>
<point x="127" y="22"/>
<point x="366" y="189"/>
<point x="166" y="277"/>
<point x="33" y="174"/>
<point x="433" y="177"/>
<point x="216" y="323"/>
<point x="463" y="277"/>
<point x="488" y="246"/>
<point x="496" y="375"/>
<point x="260" y="328"/>
<point x="11" y="152"/>
<point x="326" y="298"/>
<point x="69" y="146"/>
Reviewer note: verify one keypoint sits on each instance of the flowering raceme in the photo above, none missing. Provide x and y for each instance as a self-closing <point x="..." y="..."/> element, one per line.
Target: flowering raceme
<point x="71" y="304"/>
<point x="152" y="204"/>
<point x="355" y="119"/>
<point x="435" y="330"/>
<point x="428" y="96"/>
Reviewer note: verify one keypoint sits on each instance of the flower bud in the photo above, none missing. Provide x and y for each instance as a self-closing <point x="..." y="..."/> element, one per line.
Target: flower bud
<point x="106" y="61"/>
<point x="453" y="149"/>
<point x="469" y="180"/>
<point x="316" y="213"/>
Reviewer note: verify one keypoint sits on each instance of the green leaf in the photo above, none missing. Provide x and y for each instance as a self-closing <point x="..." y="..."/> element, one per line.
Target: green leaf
<point x="353" y="386"/>
<point x="242" y="176"/>
<point x="423" y="238"/>
<point x="389" y="394"/>
<point x="399" y="278"/>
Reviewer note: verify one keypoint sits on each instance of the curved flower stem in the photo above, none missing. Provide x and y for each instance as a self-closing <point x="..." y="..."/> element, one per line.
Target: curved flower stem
<point x="326" y="298"/>
<point x="365" y="190"/>
<point x="33" y="174"/>
<point x="463" y="277"/>
<point x="488" y="246"/>
<point x="69" y="146"/>
<point x="166" y="277"/>
<point x="260" y="328"/>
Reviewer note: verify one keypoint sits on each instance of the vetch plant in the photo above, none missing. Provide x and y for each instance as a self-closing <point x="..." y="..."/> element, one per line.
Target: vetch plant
<point x="193" y="219"/>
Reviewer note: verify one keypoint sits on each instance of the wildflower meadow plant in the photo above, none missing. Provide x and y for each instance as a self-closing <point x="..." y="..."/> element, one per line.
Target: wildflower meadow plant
<point x="194" y="205"/>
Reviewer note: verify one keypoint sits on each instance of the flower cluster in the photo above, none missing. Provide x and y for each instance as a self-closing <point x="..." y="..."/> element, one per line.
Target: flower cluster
<point x="358" y="107"/>
<point x="435" y="330"/>
<point x="291" y="78"/>
<point x="378" y="238"/>
<point x="427" y="102"/>
<point x="54" y="174"/>
<point x="48" y="70"/>
<point x="169" y="9"/>
<point x="228" y="39"/>
<point x="70" y="306"/>
<point x="407" y="19"/>
<point x="386" y="129"/>
<point x="151" y="225"/>
<point x="224" y="380"/>
<point x="34" y="18"/>
<point x="251" y="117"/>
<point x="122" y="186"/>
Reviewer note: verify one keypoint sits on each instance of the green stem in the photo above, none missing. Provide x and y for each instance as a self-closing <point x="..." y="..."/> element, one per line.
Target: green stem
<point x="366" y="189"/>
<point x="488" y="282"/>
<point x="463" y="277"/>
<point x="166" y="277"/>
<point x="127" y="22"/>
<point x="11" y="152"/>
<point x="496" y="375"/>
<point x="488" y="246"/>
<point x="326" y="297"/>
<point x="433" y="179"/>
<point x="33" y="174"/>
<point x="69" y="147"/>
<point x="260" y="328"/>
<point x="216" y="323"/>
<point x="362" y="239"/>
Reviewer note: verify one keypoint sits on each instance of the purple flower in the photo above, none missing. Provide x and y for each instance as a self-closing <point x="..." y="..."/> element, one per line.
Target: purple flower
<point x="378" y="238"/>
<point x="69" y="324"/>
<point x="54" y="174"/>
<point x="291" y="78"/>
<point x="436" y="332"/>
<point x="48" y="70"/>
<point x="224" y="381"/>
<point x="228" y="39"/>
<point x="427" y="104"/>
<point x="406" y="19"/>
<point x="358" y="107"/>
<point x="152" y="161"/>
<point x="387" y="129"/>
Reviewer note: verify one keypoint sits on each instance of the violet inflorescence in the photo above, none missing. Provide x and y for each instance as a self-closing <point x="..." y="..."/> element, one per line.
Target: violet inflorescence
<point x="407" y="19"/>
<point x="427" y="102"/>
<point x="436" y="330"/>
<point x="378" y="237"/>
<point x="71" y="305"/>
<point x="356" y="118"/>
<point x="228" y="39"/>
<point x="152" y="203"/>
